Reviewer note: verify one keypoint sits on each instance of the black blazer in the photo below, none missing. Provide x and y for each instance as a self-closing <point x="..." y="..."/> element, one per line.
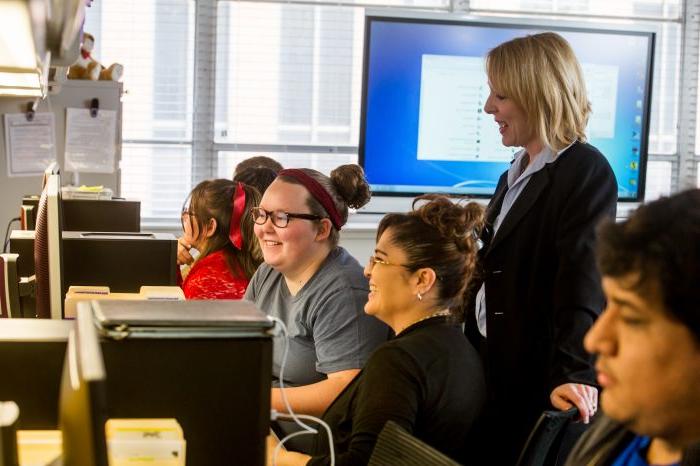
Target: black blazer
<point x="543" y="289"/>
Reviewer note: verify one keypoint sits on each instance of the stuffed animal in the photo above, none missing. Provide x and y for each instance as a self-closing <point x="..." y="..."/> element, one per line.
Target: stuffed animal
<point x="88" y="68"/>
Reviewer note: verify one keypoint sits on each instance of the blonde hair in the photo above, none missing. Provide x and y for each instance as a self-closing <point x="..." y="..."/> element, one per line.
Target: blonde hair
<point x="541" y="74"/>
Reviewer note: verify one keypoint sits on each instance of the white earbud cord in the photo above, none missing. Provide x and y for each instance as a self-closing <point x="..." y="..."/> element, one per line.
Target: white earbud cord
<point x="306" y="429"/>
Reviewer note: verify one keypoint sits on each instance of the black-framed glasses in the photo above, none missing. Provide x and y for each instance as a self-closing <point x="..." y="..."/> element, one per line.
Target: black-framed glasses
<point x="279" y="218"/>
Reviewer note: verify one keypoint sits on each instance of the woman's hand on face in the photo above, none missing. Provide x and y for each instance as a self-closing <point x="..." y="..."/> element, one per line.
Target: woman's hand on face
<point x="584" y="397"/>
<point x="183" y="252"/>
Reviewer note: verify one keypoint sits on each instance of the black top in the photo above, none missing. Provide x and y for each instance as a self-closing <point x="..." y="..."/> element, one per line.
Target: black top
<point x="428" y="379"/>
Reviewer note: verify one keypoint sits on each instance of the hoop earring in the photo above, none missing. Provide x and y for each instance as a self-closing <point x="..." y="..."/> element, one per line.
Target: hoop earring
<point x="419" y="296"/>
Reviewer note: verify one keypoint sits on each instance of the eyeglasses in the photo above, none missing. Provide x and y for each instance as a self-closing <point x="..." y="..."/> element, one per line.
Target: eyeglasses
<point x="374" y="260"/>
<point x="188" y="214"/>
<point x="279" y="218"/>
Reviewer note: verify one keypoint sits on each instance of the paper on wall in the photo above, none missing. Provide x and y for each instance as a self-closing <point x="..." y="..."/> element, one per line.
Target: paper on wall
<point x="30" y="145"/>
<point x="90" y="141"/>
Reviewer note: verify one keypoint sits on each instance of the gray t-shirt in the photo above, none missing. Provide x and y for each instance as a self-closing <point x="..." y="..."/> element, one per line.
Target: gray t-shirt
<point x="328" y="328"/>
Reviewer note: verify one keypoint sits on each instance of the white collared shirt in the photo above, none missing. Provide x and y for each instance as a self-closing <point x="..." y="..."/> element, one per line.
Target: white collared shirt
<point x="518" y="178"/>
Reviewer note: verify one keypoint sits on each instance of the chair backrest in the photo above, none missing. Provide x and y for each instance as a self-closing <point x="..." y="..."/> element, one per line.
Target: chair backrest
<point x="396" y="447"/>
<point x="9" y="286"/>
<point x="542" y="445"/>
<point x="9" y="412"/>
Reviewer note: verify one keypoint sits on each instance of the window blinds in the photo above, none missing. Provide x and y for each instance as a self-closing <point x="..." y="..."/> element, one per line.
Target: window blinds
<point x="288" y="82"/>
<point x="154" y="40"/>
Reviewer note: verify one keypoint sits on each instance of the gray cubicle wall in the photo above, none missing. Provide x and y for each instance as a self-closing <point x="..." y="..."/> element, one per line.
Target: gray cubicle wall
<point x="72" y="94"/>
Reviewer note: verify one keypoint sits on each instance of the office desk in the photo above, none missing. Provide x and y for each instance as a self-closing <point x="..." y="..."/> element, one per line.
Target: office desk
<point x="38" y="447"/>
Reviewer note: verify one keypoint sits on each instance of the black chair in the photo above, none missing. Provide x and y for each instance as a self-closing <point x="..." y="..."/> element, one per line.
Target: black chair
<point x="396" y="447"/>
<point x="9" y="412"/>
<point x="542" y="445"/>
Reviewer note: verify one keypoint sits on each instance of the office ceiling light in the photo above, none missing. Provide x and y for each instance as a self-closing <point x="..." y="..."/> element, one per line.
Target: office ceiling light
<point x="21" y="28"/>
<point x="21" y="84"/>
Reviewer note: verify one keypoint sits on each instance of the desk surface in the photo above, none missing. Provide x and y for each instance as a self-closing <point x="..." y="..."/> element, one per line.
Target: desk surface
<point x="38" y="447"/>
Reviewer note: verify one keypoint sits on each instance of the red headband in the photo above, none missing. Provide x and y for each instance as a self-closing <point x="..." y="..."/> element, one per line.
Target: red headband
<point x="234" y="229"/>
<point x="318" y="192"/>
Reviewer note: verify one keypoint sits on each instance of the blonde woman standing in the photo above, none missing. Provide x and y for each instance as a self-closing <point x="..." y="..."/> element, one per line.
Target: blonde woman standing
<point x="539" y="289"/>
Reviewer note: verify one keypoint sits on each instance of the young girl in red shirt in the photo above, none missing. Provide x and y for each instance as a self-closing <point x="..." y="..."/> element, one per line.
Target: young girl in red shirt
<point x="216" y="220"/>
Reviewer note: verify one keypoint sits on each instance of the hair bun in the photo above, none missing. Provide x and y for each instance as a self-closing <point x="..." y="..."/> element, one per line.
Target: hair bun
<point x="350" y="183"/>
<point x="455" y="221"/>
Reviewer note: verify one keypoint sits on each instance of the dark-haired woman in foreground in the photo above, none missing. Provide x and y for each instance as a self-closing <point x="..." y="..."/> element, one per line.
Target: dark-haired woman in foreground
<point x="428" y="379"/>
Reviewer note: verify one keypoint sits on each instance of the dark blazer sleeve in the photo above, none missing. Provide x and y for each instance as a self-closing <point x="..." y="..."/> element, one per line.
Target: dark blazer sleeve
<point x="578" y="296"/>
<point x="391" y="390"/>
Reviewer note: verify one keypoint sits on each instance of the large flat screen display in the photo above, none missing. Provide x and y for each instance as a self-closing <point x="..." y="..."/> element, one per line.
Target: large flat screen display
<point x="423" y="127"/>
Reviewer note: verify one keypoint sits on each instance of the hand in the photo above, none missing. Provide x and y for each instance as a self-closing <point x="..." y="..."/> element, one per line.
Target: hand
<point x="271" y="444"/>
<point x="584" y="397"/>
<point x="284" y="457"/>
<point x="183" y="252"/>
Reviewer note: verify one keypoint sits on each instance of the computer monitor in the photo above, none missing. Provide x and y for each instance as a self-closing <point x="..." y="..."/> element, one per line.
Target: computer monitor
<point x="31" y="360"/>
<point x="207" y="364"/>
<point x="47" y="250"/>
<point x="27" y="212"/>
<point x="122" y="261"/>
<point x="52" y="169"/>
<point x="82" y="406"/>
<point x="121" y="215"/>
<point x="9" y="286"/>
<point x="424" y="87"/>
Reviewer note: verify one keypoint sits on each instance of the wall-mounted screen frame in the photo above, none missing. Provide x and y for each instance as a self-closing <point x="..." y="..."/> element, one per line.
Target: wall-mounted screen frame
<point x="422" y="125"/>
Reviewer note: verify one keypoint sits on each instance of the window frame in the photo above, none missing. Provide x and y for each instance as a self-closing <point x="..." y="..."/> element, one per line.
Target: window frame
<point x="205" y="148"/>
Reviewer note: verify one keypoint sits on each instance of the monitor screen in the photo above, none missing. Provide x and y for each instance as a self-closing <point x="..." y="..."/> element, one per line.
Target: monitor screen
<point x="423" y="128"/>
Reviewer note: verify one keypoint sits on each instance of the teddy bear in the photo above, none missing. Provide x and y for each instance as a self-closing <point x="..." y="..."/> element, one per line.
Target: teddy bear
<point x="87" y="67"/>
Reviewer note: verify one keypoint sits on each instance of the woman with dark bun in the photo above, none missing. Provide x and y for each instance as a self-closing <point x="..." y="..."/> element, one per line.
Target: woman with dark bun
<point x="428" y="378"/>
<point x="314" y="286"/>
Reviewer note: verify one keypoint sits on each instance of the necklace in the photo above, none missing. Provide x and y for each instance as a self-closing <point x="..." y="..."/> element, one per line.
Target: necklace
<point x="444" y="312"/>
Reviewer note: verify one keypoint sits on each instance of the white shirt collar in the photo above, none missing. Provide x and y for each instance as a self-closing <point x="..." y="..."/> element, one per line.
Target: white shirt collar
<point x="547" y="155"/>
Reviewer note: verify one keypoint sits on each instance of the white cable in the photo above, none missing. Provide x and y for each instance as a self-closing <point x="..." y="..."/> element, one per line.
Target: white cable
<point x="295" y="417"/>
<point x="331" y="448"/>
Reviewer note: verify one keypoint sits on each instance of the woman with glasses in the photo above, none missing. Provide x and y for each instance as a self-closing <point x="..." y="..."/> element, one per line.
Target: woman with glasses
<point x="314" y="286"/>
<point x="217" y="222"/>
<point x="428" y="379"/>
